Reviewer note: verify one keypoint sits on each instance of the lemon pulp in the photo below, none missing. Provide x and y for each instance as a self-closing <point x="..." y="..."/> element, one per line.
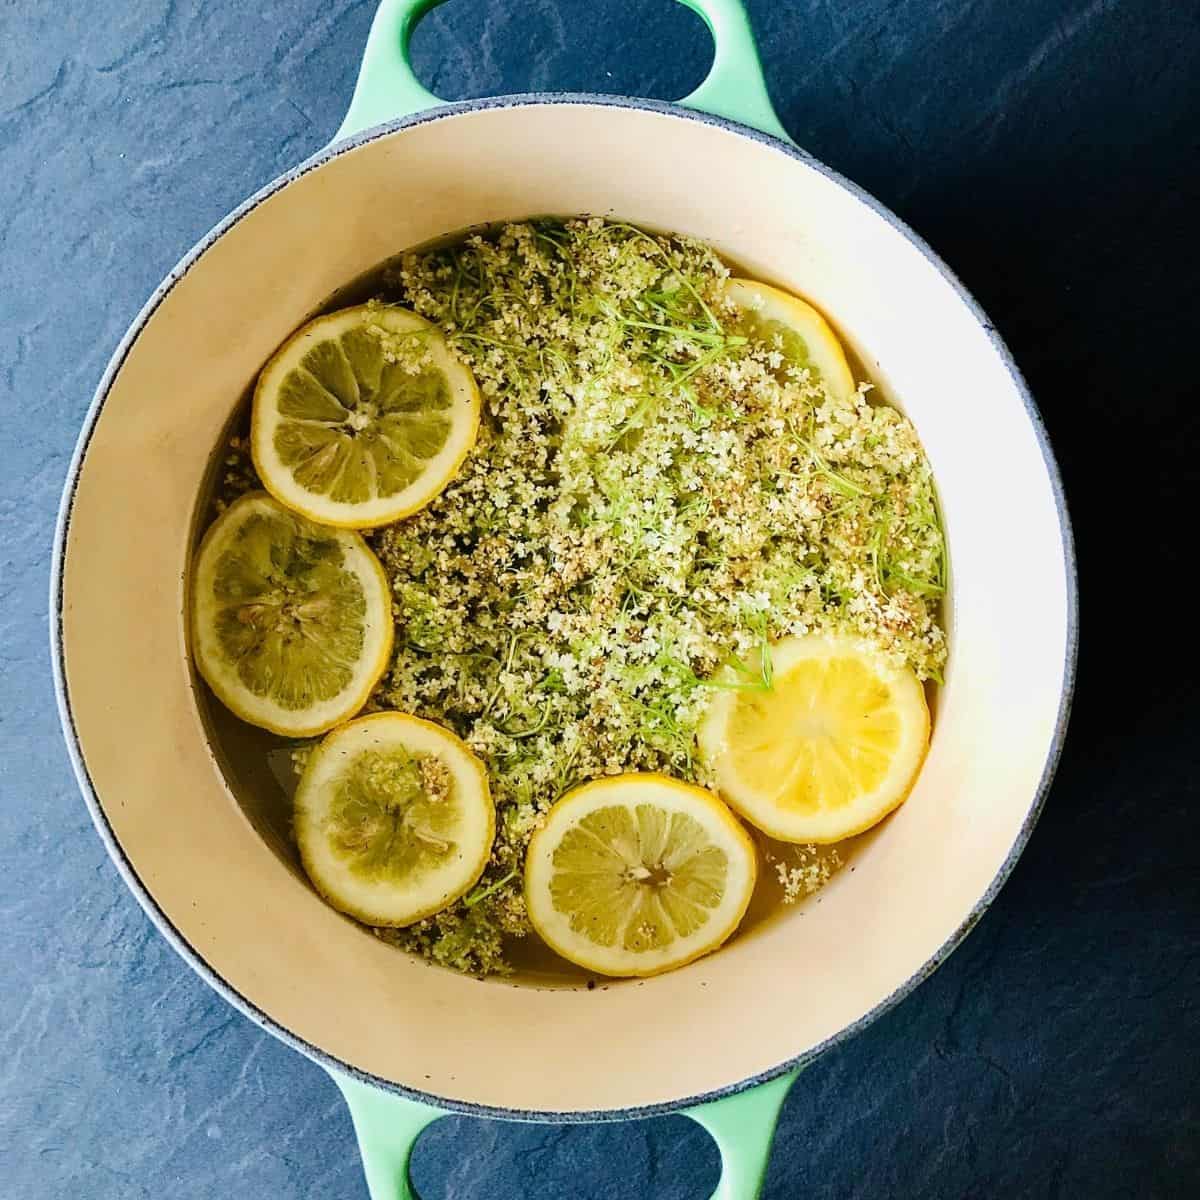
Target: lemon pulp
<point x="362" y="417"/>
<point x="637" y="874"/>
<point x="394" y="818"/>
<point x="830" y="748"/>
<point x="802" y="335"/>
<point x="291" y="622"/>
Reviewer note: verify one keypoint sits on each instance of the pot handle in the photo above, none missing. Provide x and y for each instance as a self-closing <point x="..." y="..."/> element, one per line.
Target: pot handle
<point x="387" y="87"/>
<point x="388" y="1126"/>
<point x="743" y="1126"/>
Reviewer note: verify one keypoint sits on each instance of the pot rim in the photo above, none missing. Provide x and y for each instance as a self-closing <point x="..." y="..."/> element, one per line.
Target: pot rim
<point x="126" y="868"/>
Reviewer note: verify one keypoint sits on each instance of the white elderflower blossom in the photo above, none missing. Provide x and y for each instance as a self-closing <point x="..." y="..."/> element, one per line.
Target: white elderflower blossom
<point x="650" y="496"/>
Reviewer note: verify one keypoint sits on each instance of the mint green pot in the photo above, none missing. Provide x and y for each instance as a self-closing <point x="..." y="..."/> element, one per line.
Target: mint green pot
<point x="742" y="1022"/>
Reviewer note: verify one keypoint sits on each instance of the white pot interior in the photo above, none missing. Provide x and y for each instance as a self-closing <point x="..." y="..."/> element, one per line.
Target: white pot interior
<point x="769" y="997"/>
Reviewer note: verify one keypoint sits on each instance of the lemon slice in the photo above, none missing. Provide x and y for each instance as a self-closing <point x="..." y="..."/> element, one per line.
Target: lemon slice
<point x="828" y="750"/>
<point x="362" y="417"/>
<point x="291" y="623"/>
<point x="394" y="819"/>
<point x="638" y="873"/>
<point x="804" y="336"/>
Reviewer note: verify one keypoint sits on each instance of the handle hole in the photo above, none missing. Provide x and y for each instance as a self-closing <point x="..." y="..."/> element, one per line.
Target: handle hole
<point x="464" y="49"/>
<point x="669" y="1158"/>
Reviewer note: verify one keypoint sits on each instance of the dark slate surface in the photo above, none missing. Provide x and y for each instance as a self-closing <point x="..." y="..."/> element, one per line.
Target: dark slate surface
<point x="1050" y="151"/>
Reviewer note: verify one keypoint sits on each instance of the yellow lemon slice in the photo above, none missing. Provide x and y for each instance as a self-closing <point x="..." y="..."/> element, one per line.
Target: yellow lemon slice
<point x="362" y="417"/>
<point x="638" y="873"/>
<point x="394" y="819"/>
<point x="830" y="748"/>
<point x="291" y="622"/>
<point x="801" y="334"/>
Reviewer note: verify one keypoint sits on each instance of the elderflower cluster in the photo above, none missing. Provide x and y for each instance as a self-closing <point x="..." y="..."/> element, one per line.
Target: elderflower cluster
<point x="657" y="489"/>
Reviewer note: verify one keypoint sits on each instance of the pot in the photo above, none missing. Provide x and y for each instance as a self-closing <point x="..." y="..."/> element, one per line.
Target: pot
<point x="723" y="1038"/>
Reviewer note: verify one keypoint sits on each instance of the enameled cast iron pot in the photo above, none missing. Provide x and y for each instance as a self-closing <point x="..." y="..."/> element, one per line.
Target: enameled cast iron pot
<point x="723" y="1038"/>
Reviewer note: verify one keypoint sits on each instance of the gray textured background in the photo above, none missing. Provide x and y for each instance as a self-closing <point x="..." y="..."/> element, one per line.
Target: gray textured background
<point x="1050" y="151"/>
